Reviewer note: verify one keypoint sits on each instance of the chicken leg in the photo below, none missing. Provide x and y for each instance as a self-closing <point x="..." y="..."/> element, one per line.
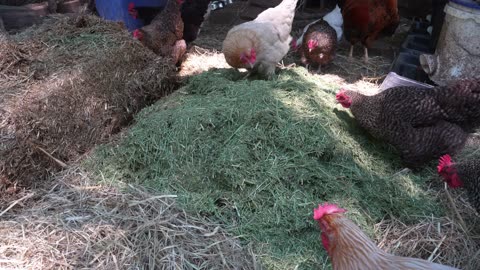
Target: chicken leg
<point x="350" y="54"/>
<point x="366" y="54"/>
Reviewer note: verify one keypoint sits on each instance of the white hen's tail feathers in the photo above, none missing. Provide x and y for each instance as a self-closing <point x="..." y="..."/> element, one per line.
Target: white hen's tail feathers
<point x="281" y="17"/>
<point x="335" y="19"/>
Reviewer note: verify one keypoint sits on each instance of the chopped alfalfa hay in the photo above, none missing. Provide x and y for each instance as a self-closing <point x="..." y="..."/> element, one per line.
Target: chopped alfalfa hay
<point x="259" y="155"/>
<point x="72" y="82"/>
<point x="78" y="224"/>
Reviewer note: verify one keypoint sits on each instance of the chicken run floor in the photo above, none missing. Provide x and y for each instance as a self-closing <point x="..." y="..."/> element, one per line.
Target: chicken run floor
<point x="99" y="197"/>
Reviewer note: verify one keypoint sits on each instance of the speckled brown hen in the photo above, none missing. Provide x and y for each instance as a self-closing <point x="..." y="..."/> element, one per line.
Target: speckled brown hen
<point x="164" y="35"/>
<point x="319" y="45"/>
<point x="422" y="124"/>
<point x="464" y="174"/>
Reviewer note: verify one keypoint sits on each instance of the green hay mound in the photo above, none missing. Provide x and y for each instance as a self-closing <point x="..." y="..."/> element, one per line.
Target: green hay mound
<point x="258" y="156"/>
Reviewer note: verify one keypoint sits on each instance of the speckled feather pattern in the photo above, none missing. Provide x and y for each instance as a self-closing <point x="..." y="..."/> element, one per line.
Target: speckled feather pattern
<point x="421" y="124"/>
<point x="469" y="173"/>
<point x="162" y="34"/>
<point x="326" y="38"/>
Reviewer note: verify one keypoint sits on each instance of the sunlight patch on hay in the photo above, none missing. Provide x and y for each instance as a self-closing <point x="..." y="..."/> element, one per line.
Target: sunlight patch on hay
<point x="199" y="60"/>
<point x="79" y="224"/>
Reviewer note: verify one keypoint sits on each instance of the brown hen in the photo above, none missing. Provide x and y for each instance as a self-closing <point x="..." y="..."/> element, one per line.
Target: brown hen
<point x="319" y="44"/>
<point x="164" y="35"/>
<point x="365" y="20"/>
<point x="350" y="248"/>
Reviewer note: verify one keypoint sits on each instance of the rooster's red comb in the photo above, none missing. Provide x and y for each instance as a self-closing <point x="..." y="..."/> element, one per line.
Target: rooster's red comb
<point x="326" y="209"/>
<point x="445" y="161"/>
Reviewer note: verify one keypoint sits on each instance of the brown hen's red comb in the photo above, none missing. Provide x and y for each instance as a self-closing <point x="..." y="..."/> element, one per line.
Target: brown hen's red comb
<point x="326" y="209"/>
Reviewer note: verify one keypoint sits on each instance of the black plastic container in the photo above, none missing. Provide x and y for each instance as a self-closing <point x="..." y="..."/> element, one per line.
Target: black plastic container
<point x="408" y="65"/>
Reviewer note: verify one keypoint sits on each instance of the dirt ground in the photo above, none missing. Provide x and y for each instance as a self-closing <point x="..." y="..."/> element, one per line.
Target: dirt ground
<point x="59" y="100"/>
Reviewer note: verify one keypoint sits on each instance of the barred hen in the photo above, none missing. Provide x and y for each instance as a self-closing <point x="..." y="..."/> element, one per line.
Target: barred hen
<point x="365" y="20"/>
<point x="164" y="35"/>
<point x="462" y="174"/>
<point x="422" y="124"/>
<point x="319" y="45"/>
<point x="350" y="248"/>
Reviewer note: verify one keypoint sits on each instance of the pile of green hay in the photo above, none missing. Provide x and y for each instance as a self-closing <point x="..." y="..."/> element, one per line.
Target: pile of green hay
<point x="258" y="156"/>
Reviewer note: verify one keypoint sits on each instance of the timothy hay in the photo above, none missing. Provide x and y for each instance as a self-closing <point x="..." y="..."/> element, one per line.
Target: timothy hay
<point x="74" y="81"/>
<point x="77" y="224"/>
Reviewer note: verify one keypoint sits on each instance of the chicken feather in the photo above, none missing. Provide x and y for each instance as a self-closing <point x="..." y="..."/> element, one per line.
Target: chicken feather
<point x="260" y="44"/>
<point x="349" y="248"/>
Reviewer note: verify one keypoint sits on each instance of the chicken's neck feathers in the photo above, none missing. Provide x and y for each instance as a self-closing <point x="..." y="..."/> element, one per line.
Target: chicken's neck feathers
<point x="353" y="249"/>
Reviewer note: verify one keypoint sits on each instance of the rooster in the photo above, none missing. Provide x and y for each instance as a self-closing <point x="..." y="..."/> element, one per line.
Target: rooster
<point x="260" y="44"/>
<point x="365" y="20"/>
<point x="319" y="45"/>
<point x="422" y="124"/>
<point x="164" y="35"/>
<point x="350" y="248"/>
<point x="463" y="174"/>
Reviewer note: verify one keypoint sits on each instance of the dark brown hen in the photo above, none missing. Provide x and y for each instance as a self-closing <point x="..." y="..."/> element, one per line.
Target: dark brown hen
<point x="319" y="44"/>
<point x="462" y="174"/>
<point x="420" y="123"/>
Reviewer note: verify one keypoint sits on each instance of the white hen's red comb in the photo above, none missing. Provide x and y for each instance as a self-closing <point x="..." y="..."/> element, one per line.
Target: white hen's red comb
<point x="326" y="209"/>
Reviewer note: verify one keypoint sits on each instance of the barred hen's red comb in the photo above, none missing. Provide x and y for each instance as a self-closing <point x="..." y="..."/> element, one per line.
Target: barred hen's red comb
<point x="445" y="161"/>
<point x="326" y="209"/>
<point x="341" y="95"/>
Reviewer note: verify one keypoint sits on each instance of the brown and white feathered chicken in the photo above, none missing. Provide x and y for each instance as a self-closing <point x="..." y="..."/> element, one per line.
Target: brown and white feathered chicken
<point x="350" y="248"/>
<point x="464" y="174"/>
<point x="164" y="35"/>
<point x="365" y="20"/>
<point x="319" y="45"/>
<point x="333" y="18"/>
<point x="260" y="44"/>
<point x="422" y="124"/>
